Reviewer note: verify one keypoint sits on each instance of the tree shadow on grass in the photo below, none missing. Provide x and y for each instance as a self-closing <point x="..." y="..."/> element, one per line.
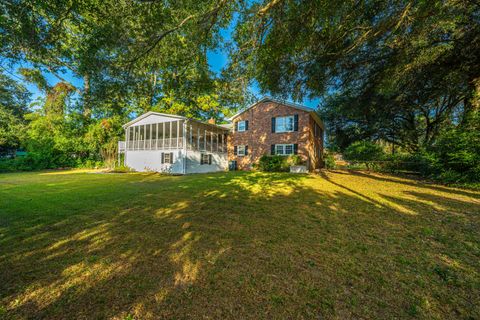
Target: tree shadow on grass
<point x="227" y="245"/>
<point x="415" y="183"/>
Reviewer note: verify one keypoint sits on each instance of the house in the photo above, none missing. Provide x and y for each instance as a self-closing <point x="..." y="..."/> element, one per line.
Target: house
<point x="175" y="144"/>
<point x="276" y="127"/>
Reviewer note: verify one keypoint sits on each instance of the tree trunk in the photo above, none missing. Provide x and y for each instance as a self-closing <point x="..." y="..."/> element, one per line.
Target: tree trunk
<point x="87" y="111"/>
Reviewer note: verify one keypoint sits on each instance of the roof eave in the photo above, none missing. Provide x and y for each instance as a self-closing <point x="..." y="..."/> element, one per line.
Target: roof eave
<point x="143" y="116"/>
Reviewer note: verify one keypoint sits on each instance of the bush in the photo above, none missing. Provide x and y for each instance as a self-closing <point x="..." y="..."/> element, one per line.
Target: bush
<point x="121" y="169"/>
<point x="277" y="163"/>
<point x="329" y="161"/>
<point x="364" y="152"/>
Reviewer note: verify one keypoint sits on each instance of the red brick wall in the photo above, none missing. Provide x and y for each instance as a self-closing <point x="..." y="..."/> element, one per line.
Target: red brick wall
<point x="259" y="136"/>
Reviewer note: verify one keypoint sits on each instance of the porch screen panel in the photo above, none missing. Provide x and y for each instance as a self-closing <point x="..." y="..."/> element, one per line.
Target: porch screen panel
<point x="130" y="138"/>
<point x="160" y="135"/>
<point x="201" y="139"/>
<point x="174" y="134"/>
<point x="142" y="137"/>
<point x="137" y="137"/>
<point x="208" y="140"/>
<point x="180" y="133"/>
<point x="147" y="136"/>
<point x="194" y="137"/>
<point x="154" y="136"/>
<point x="166" y="142"/>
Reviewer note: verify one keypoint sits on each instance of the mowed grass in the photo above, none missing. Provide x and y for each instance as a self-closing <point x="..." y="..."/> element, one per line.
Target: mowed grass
<point x="76" y="245"/>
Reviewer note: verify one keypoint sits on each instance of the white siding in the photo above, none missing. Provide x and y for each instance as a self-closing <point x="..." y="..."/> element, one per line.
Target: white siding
<point x="219" y="162"/>
<point x="144" y="151"/>
<point x="151" y="160"/>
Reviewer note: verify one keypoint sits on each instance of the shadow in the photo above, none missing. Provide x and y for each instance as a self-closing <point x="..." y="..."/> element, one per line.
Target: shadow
<point x="414" y="182"/>
<point x="232" y="245"/>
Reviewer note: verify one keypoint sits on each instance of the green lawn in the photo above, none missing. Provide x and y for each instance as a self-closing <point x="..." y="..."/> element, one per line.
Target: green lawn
<point x="236" y="246"/>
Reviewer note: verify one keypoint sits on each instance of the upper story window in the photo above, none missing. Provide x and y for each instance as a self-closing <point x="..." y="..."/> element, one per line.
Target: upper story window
<point x="284" y="124"/>
<point x="318" y="130"/>
<point x="242" y="125"/>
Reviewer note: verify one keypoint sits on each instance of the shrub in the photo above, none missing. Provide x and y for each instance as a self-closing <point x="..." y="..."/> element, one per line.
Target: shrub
<point x="277" y="163"/>
<point x="364" y="152"/>
<point x="121" y="169"/>
<point x="329" y="161"/>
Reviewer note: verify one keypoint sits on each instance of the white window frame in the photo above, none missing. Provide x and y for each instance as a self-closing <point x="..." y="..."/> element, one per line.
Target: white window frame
<point x="241" y="147"/>
<point x="283" y="149"/>
<point x="242" y="126"/>
<point x="281" y="124"/>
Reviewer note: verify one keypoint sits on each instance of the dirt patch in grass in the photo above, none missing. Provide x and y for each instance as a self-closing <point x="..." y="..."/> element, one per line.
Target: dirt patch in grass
<point x="236" y="246"/>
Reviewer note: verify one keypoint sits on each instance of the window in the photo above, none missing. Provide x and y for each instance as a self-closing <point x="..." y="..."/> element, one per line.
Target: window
<point x="205" y="158"/>
<point x="318" y="130"/>
<point x="284" y="124"/>
<point x="284" y="149"/>
<point x="241" y="150"/>
<point x="167" y="157"/>
<point x="242" y="126"/>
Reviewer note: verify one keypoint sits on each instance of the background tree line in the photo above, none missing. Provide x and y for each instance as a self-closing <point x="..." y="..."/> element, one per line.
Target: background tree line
<point x="401" y="73"/>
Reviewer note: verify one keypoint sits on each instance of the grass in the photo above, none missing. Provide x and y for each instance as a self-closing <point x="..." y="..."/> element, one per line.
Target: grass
<point x="240" y="245"/>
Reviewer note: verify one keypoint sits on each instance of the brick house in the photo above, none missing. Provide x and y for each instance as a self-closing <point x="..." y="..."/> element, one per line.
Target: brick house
<point x="176" y="144"/>
<point x="271" y="126"/>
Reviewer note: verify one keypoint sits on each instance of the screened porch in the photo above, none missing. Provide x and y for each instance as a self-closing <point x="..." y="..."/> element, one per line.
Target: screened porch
<point x="193" y="134"/>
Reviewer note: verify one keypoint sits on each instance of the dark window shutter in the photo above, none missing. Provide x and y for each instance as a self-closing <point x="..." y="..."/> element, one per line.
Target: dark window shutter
<point x="209" y="159"/>
<point x="295" y="122"/>
<point x="163" y="158"/>
<point x="295" y="148"/>
<point x="171" y="157"/>
<point x="273" y="124"/>
<point x="246" y="125"/>
<point x="236" y="126"/>
<point x="246" y="150"/>
<point x="235" y="150"/>
<point x="272" y="150"/>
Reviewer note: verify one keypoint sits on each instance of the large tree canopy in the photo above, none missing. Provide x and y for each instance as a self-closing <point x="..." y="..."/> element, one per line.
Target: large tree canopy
<point x="146" y="54"/>
<point x="395" y="70"/>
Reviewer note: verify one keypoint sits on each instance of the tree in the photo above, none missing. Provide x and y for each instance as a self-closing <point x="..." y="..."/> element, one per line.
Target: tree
<point x="14" y="99"/>
<point x="364" y="151"/>
<point x="130" y="55"/>
<point x="400" y="70"/>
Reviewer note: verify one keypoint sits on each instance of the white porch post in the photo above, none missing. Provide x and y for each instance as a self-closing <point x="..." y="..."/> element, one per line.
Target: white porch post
<point x="127" y="134"/>
<point x="184" y="139"/>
